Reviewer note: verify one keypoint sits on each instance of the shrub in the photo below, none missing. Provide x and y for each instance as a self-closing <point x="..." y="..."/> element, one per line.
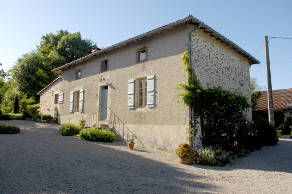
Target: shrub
<point x="46" y="117"/>
<point x="24" y="101"/>
<point x="267" y="134"/>
<point x="95" y="134"/>
<point x="184" y="149"/>
<point x="82" y="123"/>
<point x="69" y="129"/>
<point x="291" y="134"/>
<point x="31" y="111"/>
<point x="8" y="129"/>
<point x="12" y="116"/>
<point x="287" y="126"/>
<point x="214" y="157"/>
<point x="248" y="138"/>
<point x="206" y="156"/>
<point x="279" y="132"/>
<point x="15" y="116"/>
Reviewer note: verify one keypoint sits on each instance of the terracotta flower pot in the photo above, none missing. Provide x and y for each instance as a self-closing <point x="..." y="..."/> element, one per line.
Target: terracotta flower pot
<point x="186" y="160"/>
<point x="131" y="145"/>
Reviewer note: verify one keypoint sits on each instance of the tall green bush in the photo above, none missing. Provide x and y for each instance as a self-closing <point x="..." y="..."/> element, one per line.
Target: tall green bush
<point x="31" y="111"/>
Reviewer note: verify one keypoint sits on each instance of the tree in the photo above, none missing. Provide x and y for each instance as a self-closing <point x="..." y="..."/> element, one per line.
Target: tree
<point x="32" y="71"/>
<point x="31" y="74"/>
<point x="253" y="84"/>
<point x="8" y="100"/>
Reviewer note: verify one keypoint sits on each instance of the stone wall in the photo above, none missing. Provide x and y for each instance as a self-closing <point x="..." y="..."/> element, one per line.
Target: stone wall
<point x="47" y="98"/>
<point x="216" y="65"/>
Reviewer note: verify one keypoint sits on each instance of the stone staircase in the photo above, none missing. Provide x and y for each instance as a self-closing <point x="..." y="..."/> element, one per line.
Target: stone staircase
<point x="115" y="123"/>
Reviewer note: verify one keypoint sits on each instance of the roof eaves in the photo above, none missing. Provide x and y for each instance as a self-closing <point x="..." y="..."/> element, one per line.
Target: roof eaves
<point x="42" y="90"/>
<point x="190" y="19"/>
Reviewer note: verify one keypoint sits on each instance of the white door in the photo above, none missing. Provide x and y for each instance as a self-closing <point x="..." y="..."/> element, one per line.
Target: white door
<point x="103" y="103"/>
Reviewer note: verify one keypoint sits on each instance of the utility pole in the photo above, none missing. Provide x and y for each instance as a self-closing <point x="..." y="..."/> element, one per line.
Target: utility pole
<point x="269" y="81"/>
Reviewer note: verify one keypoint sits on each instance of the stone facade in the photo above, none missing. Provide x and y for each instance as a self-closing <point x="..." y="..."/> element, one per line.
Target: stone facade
<point x="163" y="126"/>
<point x="216" y="65"/>
<point x="47" y="99"/>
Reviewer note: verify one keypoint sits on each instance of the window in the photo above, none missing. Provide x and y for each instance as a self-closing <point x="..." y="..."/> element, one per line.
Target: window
<point x="76" y="96"/>
<point x="56" y="100"/>
<point x="78" y="74"/>
<point x="104" y="66"/>
<point x="142" y="55"/>
<point x="141" y="92"/>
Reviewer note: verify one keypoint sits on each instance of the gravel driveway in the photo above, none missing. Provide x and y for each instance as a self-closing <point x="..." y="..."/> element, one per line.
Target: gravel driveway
<point x="39" y="160"/>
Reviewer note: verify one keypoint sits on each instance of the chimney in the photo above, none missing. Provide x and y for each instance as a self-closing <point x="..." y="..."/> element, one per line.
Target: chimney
<point x="94" y="49"/>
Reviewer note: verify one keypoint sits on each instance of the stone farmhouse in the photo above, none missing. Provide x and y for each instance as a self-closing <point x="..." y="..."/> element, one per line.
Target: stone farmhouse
<point x="132" y="85"/>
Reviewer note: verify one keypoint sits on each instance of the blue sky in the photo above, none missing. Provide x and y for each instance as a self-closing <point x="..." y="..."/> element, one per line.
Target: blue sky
<point x="107" y="22"/>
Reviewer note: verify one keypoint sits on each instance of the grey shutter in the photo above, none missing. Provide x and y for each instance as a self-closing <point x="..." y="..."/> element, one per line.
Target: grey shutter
<point x="71" y="101"/>
<point x="81" y="100"/>
<point x="151" y="91"/>
<point x="131" y="94"/>
<point x="61" y="97"/>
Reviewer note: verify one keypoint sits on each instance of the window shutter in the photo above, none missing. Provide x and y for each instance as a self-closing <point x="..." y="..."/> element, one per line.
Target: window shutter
<point x="131" y="94"/>
<point x="61" y="97"/>
<point x="151" y="91"/>
<point x="71" y="101"/>
<point x="81" y="100"/>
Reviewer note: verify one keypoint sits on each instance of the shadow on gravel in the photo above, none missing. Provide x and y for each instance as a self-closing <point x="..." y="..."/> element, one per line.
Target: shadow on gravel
<point x="269" y="158"/>
<point x="39" y="160"/>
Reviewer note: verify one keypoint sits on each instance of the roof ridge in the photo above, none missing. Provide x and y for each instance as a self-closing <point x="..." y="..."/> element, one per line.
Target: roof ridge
<point x="185" y="20"/>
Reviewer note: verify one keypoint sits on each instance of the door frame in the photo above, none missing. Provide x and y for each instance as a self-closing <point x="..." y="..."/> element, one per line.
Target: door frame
<point x="101" y="88"/>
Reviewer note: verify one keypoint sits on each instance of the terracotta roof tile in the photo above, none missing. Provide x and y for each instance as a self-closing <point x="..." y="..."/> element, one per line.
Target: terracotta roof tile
<point x="282" y="100"/>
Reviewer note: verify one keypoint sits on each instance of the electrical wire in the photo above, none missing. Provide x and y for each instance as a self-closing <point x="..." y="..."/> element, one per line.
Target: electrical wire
<point x="284" y="38"/>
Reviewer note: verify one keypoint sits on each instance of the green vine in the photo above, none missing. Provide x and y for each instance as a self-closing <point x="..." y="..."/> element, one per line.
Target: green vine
<point x="190" y="95"/>
<point x="220" y="112"/>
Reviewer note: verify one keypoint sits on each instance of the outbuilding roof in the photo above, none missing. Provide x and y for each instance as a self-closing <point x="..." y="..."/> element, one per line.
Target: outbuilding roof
<point x="282" y="100"/>
<point x="188" y="20"/>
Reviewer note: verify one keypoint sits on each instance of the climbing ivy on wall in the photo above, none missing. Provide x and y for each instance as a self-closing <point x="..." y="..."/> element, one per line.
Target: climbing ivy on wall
<point x="221" y="112"/>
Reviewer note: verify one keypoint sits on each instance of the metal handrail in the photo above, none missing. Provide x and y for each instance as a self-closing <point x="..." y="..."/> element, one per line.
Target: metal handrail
<point x="93" y="119"/>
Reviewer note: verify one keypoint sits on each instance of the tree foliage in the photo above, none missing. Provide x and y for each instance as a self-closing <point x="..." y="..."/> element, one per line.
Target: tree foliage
<point x="32" y="71"/>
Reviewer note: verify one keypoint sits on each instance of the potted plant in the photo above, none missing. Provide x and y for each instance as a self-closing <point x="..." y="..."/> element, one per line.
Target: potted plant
<point x="131" y="144"/>
<point x="185" y="153"/>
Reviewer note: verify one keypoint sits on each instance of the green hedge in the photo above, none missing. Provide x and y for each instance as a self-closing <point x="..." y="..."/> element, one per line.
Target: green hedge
<point x="95" y="134"/>
<point x="69" y="129"/>
<point x="8" y="129"/>
<point x="46" y="117"/>
<point x="12" y="116"/>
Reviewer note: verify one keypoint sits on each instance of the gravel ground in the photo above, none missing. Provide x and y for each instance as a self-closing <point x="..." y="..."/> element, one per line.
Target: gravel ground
<point x="39" y="160"/>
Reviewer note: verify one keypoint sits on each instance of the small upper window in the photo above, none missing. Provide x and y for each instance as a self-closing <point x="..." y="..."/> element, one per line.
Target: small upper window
<point x="142" y="55"/>
<point x="56" y="99"/>
<point x="78" y="74"/>
<point x="104" y="66"/>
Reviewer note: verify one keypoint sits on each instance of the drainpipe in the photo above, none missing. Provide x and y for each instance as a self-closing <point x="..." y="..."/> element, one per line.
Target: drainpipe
<point x="191" y="118"/>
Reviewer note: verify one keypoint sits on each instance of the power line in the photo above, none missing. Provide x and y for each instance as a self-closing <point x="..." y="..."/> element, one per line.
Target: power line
<point x="284" y="38"/>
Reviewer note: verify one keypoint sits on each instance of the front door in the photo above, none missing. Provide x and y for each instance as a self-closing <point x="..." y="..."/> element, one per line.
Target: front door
<point x="103" y="103"/>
